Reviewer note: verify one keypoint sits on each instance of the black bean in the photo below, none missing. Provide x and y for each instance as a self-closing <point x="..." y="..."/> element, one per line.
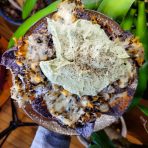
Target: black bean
<point x="88" y="109"/>
<point x="39" y="40"/>
<point x="50" y="43"/>
<point x="45" y="52"/>
<point x="96" y="110"/>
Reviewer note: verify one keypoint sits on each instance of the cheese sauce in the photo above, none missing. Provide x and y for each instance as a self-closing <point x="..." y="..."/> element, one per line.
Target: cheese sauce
<point x="87" y="61"/>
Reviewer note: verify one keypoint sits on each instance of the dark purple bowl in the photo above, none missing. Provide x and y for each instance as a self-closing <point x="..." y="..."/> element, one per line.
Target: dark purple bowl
<point x="9" y="19"/>
<point x="20" y="21"/>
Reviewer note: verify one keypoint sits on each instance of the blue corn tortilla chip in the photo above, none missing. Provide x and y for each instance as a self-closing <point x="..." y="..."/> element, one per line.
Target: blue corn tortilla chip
<point x="86" y="130"/>
<point x="8" y="60"/>
<point x="39" y="106"/>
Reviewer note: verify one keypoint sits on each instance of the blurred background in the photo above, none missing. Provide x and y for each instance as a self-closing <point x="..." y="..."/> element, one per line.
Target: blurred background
<point x="132" y="15"/>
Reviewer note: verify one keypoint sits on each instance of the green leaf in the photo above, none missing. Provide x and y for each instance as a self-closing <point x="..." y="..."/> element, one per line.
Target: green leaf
<point x="101" y="140"/>
<point x="141" y="21"/>
<point x="115" y="9"/>
<point x="135" y="102"/>
<point x="145" y="44"/>
<point x="144" y="109"/>
<point x="28" y="7"/>
<point x="93" y="146"/>
<point x="142" y="80"/>
<point x="32" y="20"/>
<point x="128" y="20"/>
<point x="91" y="4"/>
<point x="142" y="85"/>
<point x="141" y="27"/>
<point x="142" y="33"/>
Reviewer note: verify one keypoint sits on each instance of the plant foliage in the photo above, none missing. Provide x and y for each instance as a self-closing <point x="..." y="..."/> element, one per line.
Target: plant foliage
<point x="28" y="7"/>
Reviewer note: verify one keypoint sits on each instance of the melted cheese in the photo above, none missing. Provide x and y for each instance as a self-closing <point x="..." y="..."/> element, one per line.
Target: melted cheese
<point x="87" y="61"/>
<point x="64" y="108"/>
<point x="65" y="12"/>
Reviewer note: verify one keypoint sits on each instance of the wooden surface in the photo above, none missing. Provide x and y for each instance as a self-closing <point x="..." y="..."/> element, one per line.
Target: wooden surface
<point x="137" y="124"/>
<point x="5" y="30"/>
<point x="5" y="90"/>
<point x="22" y="137"/>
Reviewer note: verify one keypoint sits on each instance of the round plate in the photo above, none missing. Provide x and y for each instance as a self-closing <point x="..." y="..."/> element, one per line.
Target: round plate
<point x="114" y="30"/>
